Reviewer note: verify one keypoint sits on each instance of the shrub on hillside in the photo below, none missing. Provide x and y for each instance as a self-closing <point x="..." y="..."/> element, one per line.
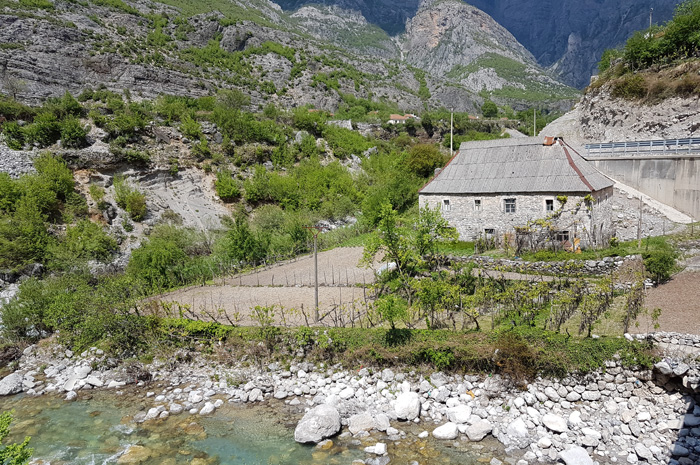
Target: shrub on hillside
<point x="130" y="199"/>
<point x="72" y="133"/>
<point x="226" y="187"/>
<point x="629" y="86"/>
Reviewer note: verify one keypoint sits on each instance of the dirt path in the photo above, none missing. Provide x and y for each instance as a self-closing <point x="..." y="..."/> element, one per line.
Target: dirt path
<point x="679" y="301"/>
<point x="335" y="267"/>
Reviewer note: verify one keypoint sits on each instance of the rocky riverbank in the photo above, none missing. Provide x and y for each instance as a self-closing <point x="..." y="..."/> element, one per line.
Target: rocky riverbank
<point x="615" y="415"/>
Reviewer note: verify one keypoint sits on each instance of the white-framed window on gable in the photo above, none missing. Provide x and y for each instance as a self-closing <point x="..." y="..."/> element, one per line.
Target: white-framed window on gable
<point x="477" y="205"/>
<point x="509" y="205"/>
<point x="549" y="205"/>
<point x="446" y="205"/>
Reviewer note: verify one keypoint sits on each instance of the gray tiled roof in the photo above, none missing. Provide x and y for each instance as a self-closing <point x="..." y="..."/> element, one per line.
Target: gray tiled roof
<point x="515" y="166"/>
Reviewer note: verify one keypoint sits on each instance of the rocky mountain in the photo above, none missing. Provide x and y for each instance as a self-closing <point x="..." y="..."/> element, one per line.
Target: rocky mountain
<point x="569" y="36"/>
<point x="466" y="45"/>
<point x="314" y="54"/>
<point x="599" y="117"/>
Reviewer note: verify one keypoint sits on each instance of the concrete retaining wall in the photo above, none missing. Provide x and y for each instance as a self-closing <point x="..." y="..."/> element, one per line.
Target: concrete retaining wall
<point x="674" y="181"/>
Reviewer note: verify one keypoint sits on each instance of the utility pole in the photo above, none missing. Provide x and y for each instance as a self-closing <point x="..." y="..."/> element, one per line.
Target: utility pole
<point x="318" y="230"/>
<point x="534" y="122"/>
<point x="452" y="122"/>
<point x="651" y="13"/>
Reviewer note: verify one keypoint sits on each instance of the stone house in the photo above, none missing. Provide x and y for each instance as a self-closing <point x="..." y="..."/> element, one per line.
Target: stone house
<point x="530" y="192"/>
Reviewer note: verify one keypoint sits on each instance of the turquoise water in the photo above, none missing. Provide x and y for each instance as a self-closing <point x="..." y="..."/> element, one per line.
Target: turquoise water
<point x="97" y="429"/>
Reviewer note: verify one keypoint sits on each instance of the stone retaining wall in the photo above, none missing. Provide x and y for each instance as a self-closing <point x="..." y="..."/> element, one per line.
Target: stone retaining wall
<point x="568" y="267"/>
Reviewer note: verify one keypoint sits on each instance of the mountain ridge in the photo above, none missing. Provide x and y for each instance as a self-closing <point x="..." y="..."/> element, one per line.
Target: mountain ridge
<point x="310" y="56"/>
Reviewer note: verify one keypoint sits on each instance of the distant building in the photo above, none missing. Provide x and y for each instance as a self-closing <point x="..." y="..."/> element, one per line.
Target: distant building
<point x="500" y="188"/>
<point x="399" y="119"/>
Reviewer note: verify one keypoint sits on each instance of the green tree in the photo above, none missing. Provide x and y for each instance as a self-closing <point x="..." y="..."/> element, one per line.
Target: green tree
<point x="422" y="159"/>
<point x="489" y="109"/>
<point x="391" y="309"/>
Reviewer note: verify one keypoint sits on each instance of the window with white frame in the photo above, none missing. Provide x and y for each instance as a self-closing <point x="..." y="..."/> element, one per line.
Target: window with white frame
<point x="509" y="205"/>
<point x="562" y="236"/>
<point x="477" y="205"/>
<point x="446" y="205"/>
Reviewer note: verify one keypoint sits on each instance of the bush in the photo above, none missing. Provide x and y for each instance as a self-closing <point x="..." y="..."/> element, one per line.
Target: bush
<point x="226" y="187"/>
<point x="72" y="133"/>
<point x="243" y="245"/>
<point x="14" y="135"/>
<point x="45" y="130"/>
<point x="24" y="237"/>
<point x="84" y="241"/>
<point x="660" y="264"/>
<point x="345" y="142"/>
<point x="159" y="262"/>
<point x="130" y="199"/>
<point x="629" y="86"/>
<point x="190" y="128"/>
<point x="53" y="172"/>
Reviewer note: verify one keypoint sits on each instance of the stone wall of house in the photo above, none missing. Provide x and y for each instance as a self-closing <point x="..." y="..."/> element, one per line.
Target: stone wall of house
<point x="592" y="223"/>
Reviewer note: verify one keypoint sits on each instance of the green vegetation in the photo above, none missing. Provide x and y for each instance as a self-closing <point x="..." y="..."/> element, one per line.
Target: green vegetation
<point x="662" y="58"/>
<point x="12" y="454"/>
<point x="489" y="109"/>
<point x="129" y="198"/>
<point x="522" y="87"/>
<point x="280" y="180"/>
<point x="29" y="205"/>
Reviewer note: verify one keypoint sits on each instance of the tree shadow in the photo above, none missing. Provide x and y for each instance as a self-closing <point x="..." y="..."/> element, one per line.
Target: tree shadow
<point x="397" y="337"/>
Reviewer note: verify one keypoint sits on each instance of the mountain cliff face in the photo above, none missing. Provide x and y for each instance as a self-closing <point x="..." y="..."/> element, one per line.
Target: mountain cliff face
<point x="567" y="36"/>
<point x="461" y="42"/>
<point x="570" y="35"/>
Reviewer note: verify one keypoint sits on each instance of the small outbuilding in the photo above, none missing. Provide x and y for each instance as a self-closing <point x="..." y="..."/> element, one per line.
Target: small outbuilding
<point x="528" y="191"/>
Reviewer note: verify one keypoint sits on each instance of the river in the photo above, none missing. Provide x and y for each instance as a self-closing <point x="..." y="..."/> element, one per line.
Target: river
<point x="98" y="429"/>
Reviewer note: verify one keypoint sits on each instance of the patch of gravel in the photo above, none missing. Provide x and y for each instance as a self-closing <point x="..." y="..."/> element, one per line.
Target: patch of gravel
<point x="15" y="162"/>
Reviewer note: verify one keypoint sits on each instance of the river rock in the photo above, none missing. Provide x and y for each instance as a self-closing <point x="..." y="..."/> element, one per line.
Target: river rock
<point x="208" y="409"/>
<point x="317" y="424"/>
<point x="11" y="384"/>
<point x="448" y="431"/>
<point x="94" y="381"/>
<point x="382" y="422"/>
<point x="134" y="454"/>
<point x="479" y="430"/>
<point x="555" y="423"/>
<point x="407" y="406"/>
<point x="82" y="372"/>
<point x="576" y="456"/>
<point x="361" y="422"/>
<point x="459" y="414"/>
<point x="517" y="429"/>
